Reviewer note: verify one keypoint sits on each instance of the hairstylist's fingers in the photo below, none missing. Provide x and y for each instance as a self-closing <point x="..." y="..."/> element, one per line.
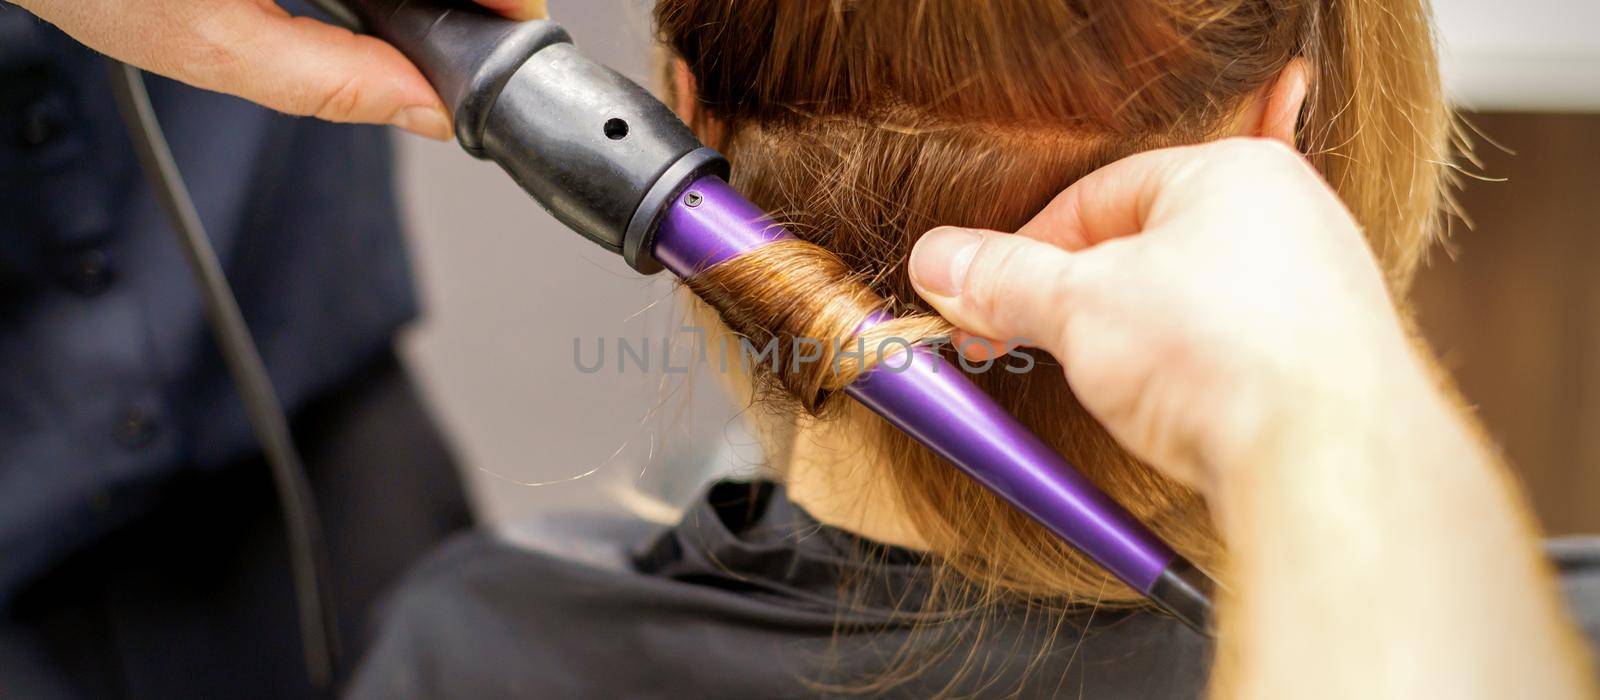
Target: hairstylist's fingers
<point x="517" y="9"/>
<point x="994" y="285"/>
<point x="255" y="50"/>
<point x="304" y="67"/>
<point x="1141" y="191"/>
<point x="1108" y="203"/>
<point x="978" y="348"/>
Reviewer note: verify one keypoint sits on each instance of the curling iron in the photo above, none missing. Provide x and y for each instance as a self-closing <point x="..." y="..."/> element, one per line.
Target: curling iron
<point x="616" y="166"/>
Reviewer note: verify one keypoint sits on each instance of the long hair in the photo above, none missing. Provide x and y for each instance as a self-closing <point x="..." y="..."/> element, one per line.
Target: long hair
<point x="863" y="123"/>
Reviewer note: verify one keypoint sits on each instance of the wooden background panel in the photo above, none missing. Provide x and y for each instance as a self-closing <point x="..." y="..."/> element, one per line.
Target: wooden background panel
<point x="1513" y="306"/>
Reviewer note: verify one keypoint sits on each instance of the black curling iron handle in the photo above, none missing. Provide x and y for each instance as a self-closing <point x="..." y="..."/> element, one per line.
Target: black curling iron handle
<point x="467" y="54"/>
<point x="602" y="154"/>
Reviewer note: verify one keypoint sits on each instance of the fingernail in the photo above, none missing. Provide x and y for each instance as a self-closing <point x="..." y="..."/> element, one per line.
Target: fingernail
<point x="430" y="122"/>
<point x="939" y="261"/>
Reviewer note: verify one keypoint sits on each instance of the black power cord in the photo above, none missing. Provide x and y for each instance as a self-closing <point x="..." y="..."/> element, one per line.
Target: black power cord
<point x="307" y="555"/>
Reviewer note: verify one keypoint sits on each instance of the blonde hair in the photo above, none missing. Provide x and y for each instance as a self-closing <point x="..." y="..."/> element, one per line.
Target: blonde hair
<point x="863" y="123"/>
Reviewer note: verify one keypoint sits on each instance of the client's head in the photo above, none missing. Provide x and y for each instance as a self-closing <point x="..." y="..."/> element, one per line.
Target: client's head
<point x="861" y="124"/>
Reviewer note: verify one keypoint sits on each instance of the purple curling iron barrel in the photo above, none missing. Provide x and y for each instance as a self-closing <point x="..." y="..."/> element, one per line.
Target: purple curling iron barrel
<point x="615" y="165"/>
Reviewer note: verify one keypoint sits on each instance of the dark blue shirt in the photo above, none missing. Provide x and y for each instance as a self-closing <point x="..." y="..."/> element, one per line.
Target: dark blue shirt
<point x="110" y="383"/>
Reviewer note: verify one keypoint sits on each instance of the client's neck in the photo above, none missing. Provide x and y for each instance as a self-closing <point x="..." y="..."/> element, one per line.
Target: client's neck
<point x="843" y="483"/>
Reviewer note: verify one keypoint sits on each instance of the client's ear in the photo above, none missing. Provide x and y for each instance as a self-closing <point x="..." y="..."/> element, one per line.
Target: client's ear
<point x="681" y="90"/>
<point x="683" y="96"/>
<point x="1280" y="102"/>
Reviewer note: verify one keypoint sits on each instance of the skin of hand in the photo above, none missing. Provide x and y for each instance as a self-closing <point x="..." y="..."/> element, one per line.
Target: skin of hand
<point x="255" y="50"/>
<point x="1193" y="295"/>
<point x="1218" y="310"/>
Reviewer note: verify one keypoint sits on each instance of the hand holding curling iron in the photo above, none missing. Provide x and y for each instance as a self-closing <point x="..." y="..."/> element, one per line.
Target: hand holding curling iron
<point x="255" y="50"/>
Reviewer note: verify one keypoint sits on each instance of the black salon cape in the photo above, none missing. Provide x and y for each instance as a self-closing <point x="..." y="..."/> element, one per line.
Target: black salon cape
<point x="741" y="600"/>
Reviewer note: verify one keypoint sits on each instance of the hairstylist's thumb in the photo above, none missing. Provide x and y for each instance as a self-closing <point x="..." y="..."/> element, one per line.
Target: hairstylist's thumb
<point x="305" y="67"/>
<point x="996" y="285"/>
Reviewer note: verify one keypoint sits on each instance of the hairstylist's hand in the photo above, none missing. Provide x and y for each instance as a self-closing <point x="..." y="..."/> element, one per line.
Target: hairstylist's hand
<point x="255" y="50"/>
<point x="1199" y="298"/>
<point x="1218" y="310"/>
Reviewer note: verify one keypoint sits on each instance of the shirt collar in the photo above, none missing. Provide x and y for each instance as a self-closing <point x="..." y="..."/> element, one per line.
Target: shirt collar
<point x="750" y="538"/>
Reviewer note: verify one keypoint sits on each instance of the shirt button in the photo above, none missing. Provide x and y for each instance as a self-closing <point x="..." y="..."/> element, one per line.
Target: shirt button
<point x="136" y="428"/>
<point x="89" y="272"/>
<point x="40" y="125"/>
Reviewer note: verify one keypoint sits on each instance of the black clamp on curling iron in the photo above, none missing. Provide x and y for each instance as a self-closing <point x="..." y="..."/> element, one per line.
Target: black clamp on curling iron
<point x="596" y="149"/>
